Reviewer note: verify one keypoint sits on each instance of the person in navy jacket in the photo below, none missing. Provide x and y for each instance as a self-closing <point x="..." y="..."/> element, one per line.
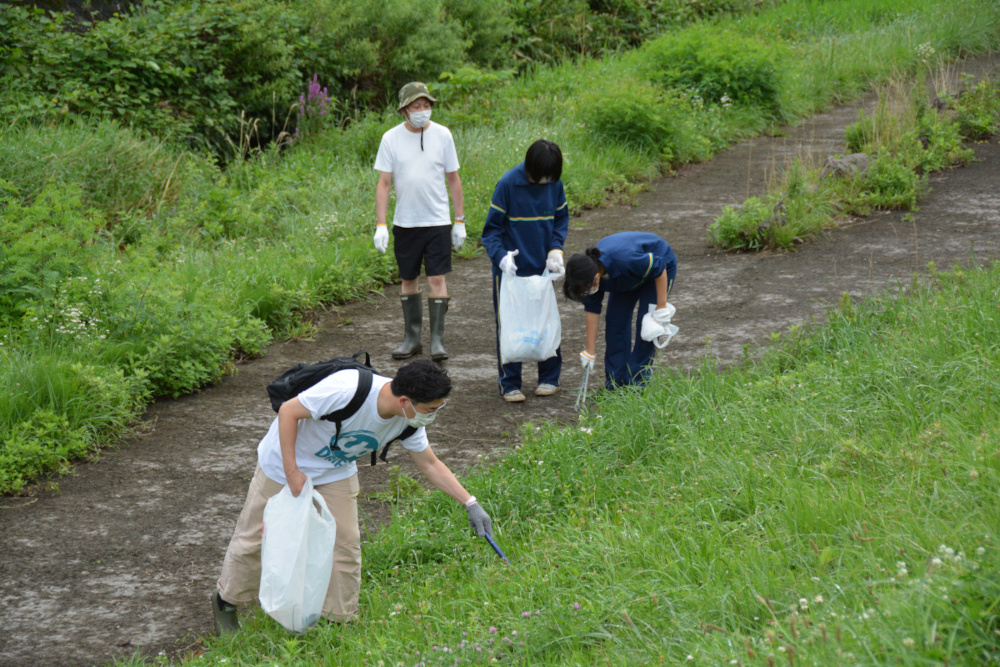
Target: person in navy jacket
<point x="524" y="234"/>
<point x="632" y="268"/>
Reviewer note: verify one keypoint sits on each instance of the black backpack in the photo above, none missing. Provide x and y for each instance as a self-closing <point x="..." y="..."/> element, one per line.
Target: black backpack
<point x="295" y="380"/>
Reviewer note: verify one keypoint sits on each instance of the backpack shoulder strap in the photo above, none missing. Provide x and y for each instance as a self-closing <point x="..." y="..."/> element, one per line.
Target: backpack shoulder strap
<point x="406" y="433"/>
<point x="359" y="398"/>
<point x="360" y="395"/>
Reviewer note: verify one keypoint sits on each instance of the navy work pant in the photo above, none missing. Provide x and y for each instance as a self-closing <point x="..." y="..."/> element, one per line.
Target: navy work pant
<point x="510" y="374"/>
<point x="628" y="361"/>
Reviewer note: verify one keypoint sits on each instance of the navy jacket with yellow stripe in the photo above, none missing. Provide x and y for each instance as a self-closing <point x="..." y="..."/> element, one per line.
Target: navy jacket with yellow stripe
<point x="630" y="260"/>
<point x="528" y="217"/>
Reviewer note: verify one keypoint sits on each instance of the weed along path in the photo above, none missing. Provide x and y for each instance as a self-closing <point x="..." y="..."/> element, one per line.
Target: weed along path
<point x="122" y="555"/>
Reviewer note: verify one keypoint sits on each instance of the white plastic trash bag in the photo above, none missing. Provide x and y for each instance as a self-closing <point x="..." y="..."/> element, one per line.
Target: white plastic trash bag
<point x="659" y="332"/>
<point x="296" y="557"/>
<point x="530" y="329"/>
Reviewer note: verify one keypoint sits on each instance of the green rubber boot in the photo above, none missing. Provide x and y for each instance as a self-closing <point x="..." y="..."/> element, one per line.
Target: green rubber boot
<point x="413" y="315"/>
<point x="436" y="308"/>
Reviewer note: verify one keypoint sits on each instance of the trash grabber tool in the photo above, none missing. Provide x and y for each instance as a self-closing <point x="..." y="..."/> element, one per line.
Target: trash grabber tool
<point x="581" y="396"/>
<point x="496" y="548"/>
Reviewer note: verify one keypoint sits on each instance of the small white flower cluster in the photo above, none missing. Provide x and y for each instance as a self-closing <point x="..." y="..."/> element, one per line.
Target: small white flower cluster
<point x="68" y="317"/>
<point x="327" y="226"/>
<point x="925" y="51"/>
<point x="726" y="101"/>
<point x="947" y="553"/>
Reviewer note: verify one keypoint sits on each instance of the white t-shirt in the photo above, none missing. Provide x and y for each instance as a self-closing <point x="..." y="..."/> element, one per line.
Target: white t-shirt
<point x="418" y="175"/>
<point x="360" y="434"/>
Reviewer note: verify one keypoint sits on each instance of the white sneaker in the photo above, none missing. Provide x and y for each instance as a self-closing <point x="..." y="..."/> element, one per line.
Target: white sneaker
<point x="514" y="396"/>
<point x="546" y="389"/>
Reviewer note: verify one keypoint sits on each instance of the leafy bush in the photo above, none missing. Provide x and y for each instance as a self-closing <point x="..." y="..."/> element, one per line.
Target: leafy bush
<point x="207" y="70"/>
<point x="32" y="447"/>
<point x="635" y="113"/>
<point x="891" y="183"/>
<point x="978" y="110"/>
<point x="719" y="66"/>
<point x="55" y="410"/>
<point x="740" y="226"/>
<point x="41" y="244"/>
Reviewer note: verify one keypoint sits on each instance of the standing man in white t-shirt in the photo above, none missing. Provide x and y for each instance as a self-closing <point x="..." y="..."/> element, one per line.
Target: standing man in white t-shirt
<point x="419" y="157"/>
<point x="301" y="444"/>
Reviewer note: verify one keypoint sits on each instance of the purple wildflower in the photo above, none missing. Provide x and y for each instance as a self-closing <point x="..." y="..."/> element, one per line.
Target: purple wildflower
<point x="493" y="629"/>
<point x="576" y="606"/>
<point x="525" y="614"/>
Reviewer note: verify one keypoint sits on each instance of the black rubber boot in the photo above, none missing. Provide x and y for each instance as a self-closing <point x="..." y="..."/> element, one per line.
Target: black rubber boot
<point x="413" y="315"/>
<point x="436" y="308"/>
<point x="226" y="622"/>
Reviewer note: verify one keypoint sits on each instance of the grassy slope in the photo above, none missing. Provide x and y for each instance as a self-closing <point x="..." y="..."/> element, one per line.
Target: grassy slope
<point x="835" y="501"/>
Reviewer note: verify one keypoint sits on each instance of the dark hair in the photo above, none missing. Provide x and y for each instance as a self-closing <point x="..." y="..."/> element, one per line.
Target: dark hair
<point x="543" y="160"/>
<point x="422" y="381"/>
<point x="580" y="273"/>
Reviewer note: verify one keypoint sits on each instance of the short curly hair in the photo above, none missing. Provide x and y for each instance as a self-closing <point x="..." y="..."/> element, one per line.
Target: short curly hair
<point x="422" y="381"/>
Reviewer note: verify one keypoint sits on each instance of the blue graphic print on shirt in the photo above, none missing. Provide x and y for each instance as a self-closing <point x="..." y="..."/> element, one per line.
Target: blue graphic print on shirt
<point x="351" y="445"/>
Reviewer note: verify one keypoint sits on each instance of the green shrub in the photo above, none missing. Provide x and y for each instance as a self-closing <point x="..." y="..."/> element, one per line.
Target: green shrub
<point x="46" y="442"/>
<point x="978" y="110"/>
<point x="937" y="143"/>
<point x="891" y="182"/>
<point x="41" y="245"/>
<point x="186" y="67"/>
<point x="181" y="347"/>
<point x="859" y="136"/>
<point x="799" y="208"/>
<point x="635" y="113"/>
<point x="54" y="410"/>
<point x="741" y="226"/>
<point x="717" y="65"/>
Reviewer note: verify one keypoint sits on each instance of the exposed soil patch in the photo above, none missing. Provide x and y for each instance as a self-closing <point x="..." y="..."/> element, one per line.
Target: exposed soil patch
<point x="124" y="556"/>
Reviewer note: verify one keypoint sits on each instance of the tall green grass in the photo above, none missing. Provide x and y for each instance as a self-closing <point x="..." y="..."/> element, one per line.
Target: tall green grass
<point x="833" y="503"/>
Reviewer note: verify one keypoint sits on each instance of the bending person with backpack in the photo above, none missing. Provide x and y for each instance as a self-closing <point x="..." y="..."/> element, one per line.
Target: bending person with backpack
<point x="319" y="434"/>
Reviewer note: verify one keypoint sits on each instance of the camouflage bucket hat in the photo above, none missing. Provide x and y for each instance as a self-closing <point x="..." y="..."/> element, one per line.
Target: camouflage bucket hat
<point x="410" y="92"/>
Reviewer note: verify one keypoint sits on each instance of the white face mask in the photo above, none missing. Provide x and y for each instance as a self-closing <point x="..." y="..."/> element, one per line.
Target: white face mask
<point x="420" y="118"/>
<point x="420" y="418"/>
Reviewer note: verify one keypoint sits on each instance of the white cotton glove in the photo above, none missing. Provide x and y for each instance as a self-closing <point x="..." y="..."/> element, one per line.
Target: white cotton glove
<point x="651" y="329"/>
<point x="587" y="360"/>
<point x="663" y="315"/>
<point x="659" y="334"/>
<point x="381" y="238"/>
<point x="507" y="265"/>
<point x="458" y="235"/>
<point x="554" y="262"/>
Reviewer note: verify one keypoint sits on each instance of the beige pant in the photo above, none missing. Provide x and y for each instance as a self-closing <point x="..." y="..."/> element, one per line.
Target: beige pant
<point x="240" y="580"/>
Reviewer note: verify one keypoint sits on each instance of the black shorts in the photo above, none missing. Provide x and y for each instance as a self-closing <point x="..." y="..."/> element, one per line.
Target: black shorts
<point x="431" y="245"/>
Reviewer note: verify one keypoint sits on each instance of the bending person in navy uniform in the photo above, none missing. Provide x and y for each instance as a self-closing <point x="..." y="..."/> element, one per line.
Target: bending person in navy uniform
<point x="524" y="234"/>
<point x="632" y="268"/>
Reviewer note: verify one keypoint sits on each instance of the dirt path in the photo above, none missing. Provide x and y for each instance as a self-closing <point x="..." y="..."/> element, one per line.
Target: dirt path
<point x="124" y="556"/>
